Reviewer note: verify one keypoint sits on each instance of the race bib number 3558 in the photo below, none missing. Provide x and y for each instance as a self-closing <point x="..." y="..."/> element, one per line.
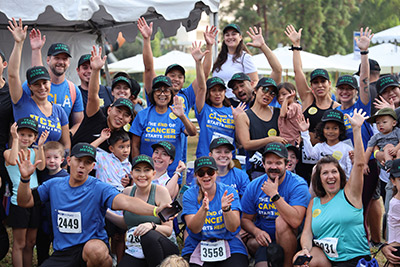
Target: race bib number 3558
<point x="69" y="222"/>
<point x="213" y="251"/>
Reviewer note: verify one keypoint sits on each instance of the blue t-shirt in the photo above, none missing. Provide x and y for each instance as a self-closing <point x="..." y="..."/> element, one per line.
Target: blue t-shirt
<point x="189" y="99"/>
<point x="214" y="123"/>
<point x="106" y="99"/>
<point x="88" y="201"/>
<point x="236" y="178"/>
<point x="60" y="95"/>
<point x="153" y="127"/>
<point x="214" y="226"/>
<point x="26" y="107"/>
<point x="366" y="129"/>
<point x="293" y="189"/>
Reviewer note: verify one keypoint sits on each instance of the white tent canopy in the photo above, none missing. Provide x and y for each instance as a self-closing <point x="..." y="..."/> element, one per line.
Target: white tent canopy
<point x="386" y="55"/>
<point x="388" y="35"/>
<point x="131" y="64"/>
<point x="79" y="22"/>
<point x="310" y="61"/>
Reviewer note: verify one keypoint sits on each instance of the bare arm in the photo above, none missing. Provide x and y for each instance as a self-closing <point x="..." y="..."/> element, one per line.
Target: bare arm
<point x="37" y="43"/>
<point x="11" y="155"/>
<point x="26" y="169"/>
<point x="306" y="240"/>
<point x="259" y="42"/>
<point x="135" y="205"/>
<point x="105" y="134"/>
<point x="118" y="220"/>
<point x="96" y="63"/>
<point x="19" y="34"/>
<point x="201" y="89"/>
<point x="242" y="125"/>
<point x="231" y="217"/>
<point x="210" y="38"/>
<point x="65" y="139"/>
<point x="163" y="197"/>
<point x="363" y="43"/>
<point x="135" y="146"/>
<point x="149" y="73"/>
<point x="77" y="118"/>
<point x="196" y="221"/>
<point x="354" y="185"/>
<point x="305" y="93"/>
<point x="248" y="225"/>
<point x="39" y="155"/>
<point x="178" y="110"/>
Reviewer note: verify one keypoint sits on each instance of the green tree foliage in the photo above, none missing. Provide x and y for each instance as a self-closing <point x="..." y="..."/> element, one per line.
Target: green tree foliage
<point x="328" y="25"/>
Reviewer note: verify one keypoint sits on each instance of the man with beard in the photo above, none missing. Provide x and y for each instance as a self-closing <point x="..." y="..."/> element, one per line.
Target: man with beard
<point x="274" y="206"/>
<point x="63" y="92"/>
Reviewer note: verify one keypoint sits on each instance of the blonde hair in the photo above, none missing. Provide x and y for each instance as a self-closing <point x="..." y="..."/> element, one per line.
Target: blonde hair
<point x="54" y="145"/>
<point x="174" y="261"/>
<point x="200" y="196"/>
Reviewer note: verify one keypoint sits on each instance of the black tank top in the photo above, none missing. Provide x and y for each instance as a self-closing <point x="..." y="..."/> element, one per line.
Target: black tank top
<point x="259" y="129"/>
<point x="314" y="114"/>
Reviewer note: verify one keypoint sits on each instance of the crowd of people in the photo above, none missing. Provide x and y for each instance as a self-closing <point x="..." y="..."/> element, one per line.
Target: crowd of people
<point x="90" y="167"/>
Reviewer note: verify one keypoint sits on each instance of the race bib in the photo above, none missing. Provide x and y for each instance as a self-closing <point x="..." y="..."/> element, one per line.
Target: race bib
<point x="133" y="246"/>
<point x="217" y="135"/>
<point x="213" y="251"/>
<point x="69" y="222"/>
<point x="305" y="159"/>
<point x="328" y="245"/>
<point x="256" y="159"/>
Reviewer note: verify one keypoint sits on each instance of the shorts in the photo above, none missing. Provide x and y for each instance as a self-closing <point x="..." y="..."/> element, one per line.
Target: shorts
<point x="112" y="229"/>
<point x="350" y="263"/>
<point x="70" y="257"/>
<point x="23" y="217"/>
<point x="275" y="252"/>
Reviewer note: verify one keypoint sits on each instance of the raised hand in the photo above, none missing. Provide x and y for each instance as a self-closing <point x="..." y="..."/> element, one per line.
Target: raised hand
<point x="205" y="204"/>
<point x="14" y="131"/>
<point x="293" y="35"/>
<point x="381" y="103"/>
<point x="256" y="37"/>
<point x="43" y="138"/>
<point x="303" y="123"/>
<point x="36" y="39"/>
<point x="210" y="35"/>
<point x="364" y="40"/>
<point x="145" y="29"/>
<point x="26" y="168"/>
<point x="17" y="30"/>
<point x="226" y="200"/>
<point x="181" y="167"/>
<point x="197" y="54"/>
<point x="96" y="62"/>
<point x="238" y="110"/>
<point x="359" y="116"/>
<point x="177" y="107"/>
<point x="105" y="133"/>
<point x="290" y="97"/>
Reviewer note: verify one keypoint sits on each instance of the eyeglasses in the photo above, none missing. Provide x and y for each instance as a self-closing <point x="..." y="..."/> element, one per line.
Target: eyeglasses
<point x="201" y="173"/>
<point x="267" y="90"/>
<point x="159" y="91"/>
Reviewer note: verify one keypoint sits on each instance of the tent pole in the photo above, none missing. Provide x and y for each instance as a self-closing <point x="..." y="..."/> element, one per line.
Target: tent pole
<point x="214" y="21"/>
<point x="101" y="43"/>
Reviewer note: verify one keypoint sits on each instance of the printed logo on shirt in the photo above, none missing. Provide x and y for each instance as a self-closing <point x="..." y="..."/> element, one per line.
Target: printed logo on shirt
<point x="272" y="132"/>
<point x="220" y="121"/>
<point x="312" y="110"/>
<point x="214" y="221"/>
<point x="337" y="155"/>
<point x="66" y="103"/>
<point x="160" y="130"/>
<point x="266" y="208"/>
<point x="316" y="213"/>
<point x="46" y="124"/>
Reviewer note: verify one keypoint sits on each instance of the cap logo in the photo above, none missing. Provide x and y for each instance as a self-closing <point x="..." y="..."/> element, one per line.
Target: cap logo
<point x="385" y="80"/>
<point x="165" y="144"/>
<point x="346" y="79"/>
<point x="274" y="147"/>
<point x="142" y="158"/>
<point x="36" y="72"/>
<point x="62" y="47"/>
<point x="87" y="149"/>
<point x="334" y="115"/>
<point x="87" y="57"/>
<point x="28" y="122"/>
<point x="319" y="72"/>
<point x="126" y="103"/>
<point x="203" y="162"/>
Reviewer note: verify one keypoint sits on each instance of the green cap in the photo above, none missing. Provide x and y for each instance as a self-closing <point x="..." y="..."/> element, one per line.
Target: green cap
<point x="277" y="148"/>
<point x="383" y="112"/>
<point x="202" y="162"/>
<point x="84" y="150"/>
<point x="333" y="115"/>
<point x="142" y="159"/>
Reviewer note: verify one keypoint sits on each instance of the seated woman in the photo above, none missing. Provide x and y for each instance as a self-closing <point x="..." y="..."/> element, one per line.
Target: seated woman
<point x="147" y="242"/>
<point x="212" y="214"/>
<point x="333" y="232"/>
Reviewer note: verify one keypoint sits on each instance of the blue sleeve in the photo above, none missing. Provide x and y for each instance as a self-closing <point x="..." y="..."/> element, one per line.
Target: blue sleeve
<point x="244" y="181"/>
<point x="191" y="97"/>
<point x="108" y="193"/>
<point x="137" y="124"/>
<point x="235" y="205"/>
<point x="78" y="105"/>
<point x="44" y="190"/>
<point x="299" y="195"/>
<point x="189" y="201"/>
<point x="247" y="200"/>
<point x="26" y="88"/>
<point x="61" y="115"/>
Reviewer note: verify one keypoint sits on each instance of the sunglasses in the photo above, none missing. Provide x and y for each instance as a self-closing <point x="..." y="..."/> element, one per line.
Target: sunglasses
<point x="201" y="173"/>
<point x="159" y="91"/>
<point x="266" y="90"/>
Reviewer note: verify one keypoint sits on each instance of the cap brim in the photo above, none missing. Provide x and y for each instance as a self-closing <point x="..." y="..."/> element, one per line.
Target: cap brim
<point x="157" y="85"/>
<point x="387" y="85"/>
<point x="60" y="52"/>
<point x="276" y="153"/>
<point x="39" y="78"/>
<point x="131" y="111"/>
<point x="81" y="155"/>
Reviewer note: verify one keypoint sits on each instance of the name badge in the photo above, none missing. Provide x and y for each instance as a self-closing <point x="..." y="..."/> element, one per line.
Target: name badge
<point x="213" y="251"/>
<point x="69" y="222"/>
<point x="328" y="245"/>
<point x="133" y="246"/>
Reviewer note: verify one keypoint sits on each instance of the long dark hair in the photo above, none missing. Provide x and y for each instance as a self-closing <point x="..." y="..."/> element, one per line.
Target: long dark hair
<point x="289" y="87"/>
<point x="225" y="103"/>
<point x="223" y="55"/>
<point x="316" y="177"/>
<point x="319" y="131"/>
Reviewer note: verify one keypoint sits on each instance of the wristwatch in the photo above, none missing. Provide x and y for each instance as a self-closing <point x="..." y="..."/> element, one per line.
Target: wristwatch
<point x="227" y="209"/>
<point x="276" y="197"/>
